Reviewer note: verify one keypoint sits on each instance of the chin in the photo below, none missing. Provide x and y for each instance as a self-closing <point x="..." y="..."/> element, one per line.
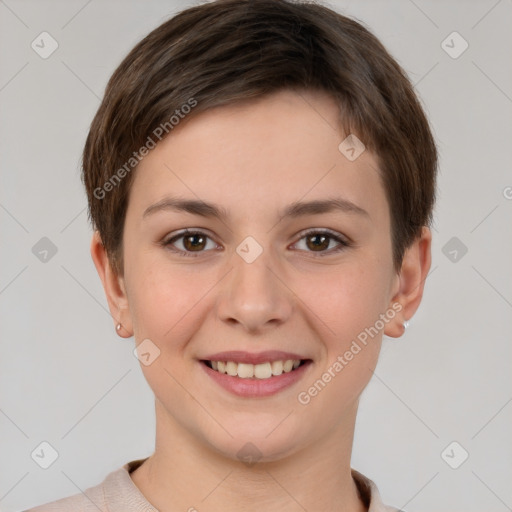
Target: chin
<point x="257" y="442"/>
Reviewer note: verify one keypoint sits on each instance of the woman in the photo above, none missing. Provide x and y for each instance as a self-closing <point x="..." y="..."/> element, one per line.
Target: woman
<point x="260" y="177"/>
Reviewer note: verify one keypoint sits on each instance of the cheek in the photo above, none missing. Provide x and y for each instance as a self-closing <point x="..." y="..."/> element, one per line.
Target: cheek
<point x="168" y="300"/>
<point x="346" y="300"/>
<point x="158" y="297"/>
<point x="348" y="306"/>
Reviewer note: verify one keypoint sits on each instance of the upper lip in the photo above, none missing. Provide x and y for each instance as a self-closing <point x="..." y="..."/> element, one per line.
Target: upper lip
<point x="239" y="356"/>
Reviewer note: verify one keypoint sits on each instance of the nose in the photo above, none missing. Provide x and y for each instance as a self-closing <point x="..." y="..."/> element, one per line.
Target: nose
<point x="254" y="295"/>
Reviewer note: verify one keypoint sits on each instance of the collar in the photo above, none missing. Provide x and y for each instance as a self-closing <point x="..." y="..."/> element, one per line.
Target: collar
<point x="121" y="493"/>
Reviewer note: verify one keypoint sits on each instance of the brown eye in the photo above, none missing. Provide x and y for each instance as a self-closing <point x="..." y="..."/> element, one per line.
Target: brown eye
<point x="189" y="243"/>
<point x="319" y="241"/>
<point x="194" y="242"/>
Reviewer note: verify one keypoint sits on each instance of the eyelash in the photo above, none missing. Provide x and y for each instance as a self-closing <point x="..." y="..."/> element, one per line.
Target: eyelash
<point x="343" y="244"/>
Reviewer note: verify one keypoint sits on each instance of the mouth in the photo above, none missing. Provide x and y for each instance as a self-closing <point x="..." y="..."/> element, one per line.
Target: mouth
<point x="255" y="375"/>
<point x="262" y="371"/>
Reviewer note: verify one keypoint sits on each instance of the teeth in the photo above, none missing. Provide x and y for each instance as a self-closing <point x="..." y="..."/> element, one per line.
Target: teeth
<point x="263" y="371"/>
<point x="287" y="366"/>
<point x="259" y="371"/>
<point x="277" y="367"/>
<point x="244" y="371"/>
<point x="231" y="368"/>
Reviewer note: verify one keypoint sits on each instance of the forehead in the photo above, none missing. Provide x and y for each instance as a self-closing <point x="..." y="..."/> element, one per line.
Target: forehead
<point x="256" y="156"/>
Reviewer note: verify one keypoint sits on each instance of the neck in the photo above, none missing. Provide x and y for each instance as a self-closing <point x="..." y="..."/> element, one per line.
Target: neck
<point x="184" y="474"/>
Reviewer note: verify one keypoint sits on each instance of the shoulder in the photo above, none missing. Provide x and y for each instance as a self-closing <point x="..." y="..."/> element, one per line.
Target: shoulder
<point x="117" y="493"/>
<point x="370" y="494"/>
<point x="91" y="500"/>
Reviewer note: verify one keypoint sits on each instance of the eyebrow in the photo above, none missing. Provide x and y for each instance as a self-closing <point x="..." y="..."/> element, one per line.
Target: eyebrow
<point x="294" y="210"/>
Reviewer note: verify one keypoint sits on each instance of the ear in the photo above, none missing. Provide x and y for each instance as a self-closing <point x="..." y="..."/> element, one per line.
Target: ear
<point x="411" y="282"/>
<point x="114" y="287"/>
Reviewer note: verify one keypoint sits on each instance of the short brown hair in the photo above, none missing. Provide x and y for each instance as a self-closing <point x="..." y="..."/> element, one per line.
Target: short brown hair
<point x="229" y="51"/>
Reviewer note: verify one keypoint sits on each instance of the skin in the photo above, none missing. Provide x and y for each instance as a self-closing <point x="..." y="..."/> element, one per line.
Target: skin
<point x="254" y="159"/>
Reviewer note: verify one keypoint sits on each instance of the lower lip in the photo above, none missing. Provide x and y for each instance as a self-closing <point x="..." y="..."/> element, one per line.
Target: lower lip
<point x="254" y="387"/>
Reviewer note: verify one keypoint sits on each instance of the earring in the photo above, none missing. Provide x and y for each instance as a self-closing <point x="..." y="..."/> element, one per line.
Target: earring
<point x="406" y="325"/>
<point x="118" y="327"/>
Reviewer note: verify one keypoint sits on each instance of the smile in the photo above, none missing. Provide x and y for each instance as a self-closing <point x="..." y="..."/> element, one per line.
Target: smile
<point x="264" y="370"/>
<point x="255" y="375"/>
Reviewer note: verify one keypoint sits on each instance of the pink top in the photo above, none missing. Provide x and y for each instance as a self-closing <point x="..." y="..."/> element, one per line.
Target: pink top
<point x="118" y="493"/>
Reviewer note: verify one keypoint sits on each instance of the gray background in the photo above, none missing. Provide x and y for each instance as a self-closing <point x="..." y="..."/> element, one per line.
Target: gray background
<point x="66" y="378"/>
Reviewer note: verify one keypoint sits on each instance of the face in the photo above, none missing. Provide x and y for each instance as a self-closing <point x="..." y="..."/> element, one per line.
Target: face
<point x="269" y="272"/>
